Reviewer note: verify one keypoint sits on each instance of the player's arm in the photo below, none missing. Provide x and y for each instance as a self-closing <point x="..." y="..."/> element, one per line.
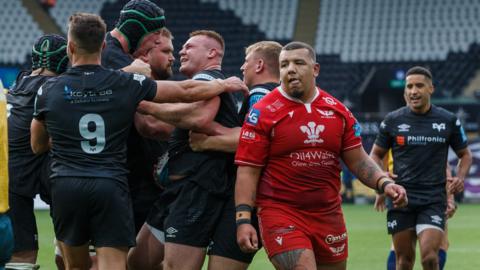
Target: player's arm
<point x="451" y="204"/>
<point x="456" y="183"/>
<point x="245" y="193"/>
<point x="140" y="67"/>
<point x="226" y="141"/>
<point x="39" y="138"/>
<point x="370" y="174"/>
<point x="378" y="154"/>
<point x="193" y="116"/>
<point x="195" y="90"/>
<point x="150" y="127"/>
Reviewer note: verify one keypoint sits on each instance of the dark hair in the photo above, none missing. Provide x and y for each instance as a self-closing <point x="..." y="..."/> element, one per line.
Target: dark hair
<point x="87" y="31"/>
<point x="418" y="70"/>
<point x="137" y="19"/>
<point x="50" y="52"/>
<point x="295" y="45"/>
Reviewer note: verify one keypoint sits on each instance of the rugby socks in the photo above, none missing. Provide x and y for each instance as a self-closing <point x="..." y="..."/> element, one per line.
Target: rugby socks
<point x="21" y="266"/>
<point x="442" y="258"/>
<point x="391" y="260"/>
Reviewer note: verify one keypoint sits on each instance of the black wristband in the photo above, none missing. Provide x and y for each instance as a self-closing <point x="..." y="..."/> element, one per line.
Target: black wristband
<point x="385" y="184"/>
<point x="243" y="207"/>
<point x="243" y="221"/>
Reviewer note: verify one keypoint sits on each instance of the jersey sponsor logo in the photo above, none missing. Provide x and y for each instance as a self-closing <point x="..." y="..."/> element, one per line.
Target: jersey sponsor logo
<point x="332" y="239"/>
<point x="337" y="251"/>
<point x="313" y="159"/>
<point x="326" y="114"/>
<point x="424" y="140"/>
<point x="436" y="219"/>
<point x="438" y="127"/>
<point x="312" y="130"/>
<point x="403" y="128"/>
<point x="357" y="129"/>
<point x="139" y="78"/>
<point x="253" y="116"/>
<point x="329" y="101"/>
<point x="86" y="96"/>
<point x="171" y="231"/>
<point x="248" y="135"/>
<point x="279" y="240"/>
<point x="392" y="224"/>
<point x="400" y="140"/>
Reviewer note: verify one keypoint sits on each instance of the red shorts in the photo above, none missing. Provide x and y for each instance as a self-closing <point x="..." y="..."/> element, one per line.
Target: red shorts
<point x="284" y="229"/>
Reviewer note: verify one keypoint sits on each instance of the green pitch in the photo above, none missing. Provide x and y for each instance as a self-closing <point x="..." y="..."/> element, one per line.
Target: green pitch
<point x="368" y="240"/>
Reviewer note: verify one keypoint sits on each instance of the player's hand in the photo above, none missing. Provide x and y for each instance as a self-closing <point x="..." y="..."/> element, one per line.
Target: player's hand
<point x="398" y="194"/>
<point x="146" y="107"/>
<point x="454" y="185"/>
<point x="379" y="204"/>
<point x="233" y="84"/>
<point x="247" y="238"/>
<point x="451" y="207"/>
<point x="140" y="67"/>
<point x="197" y="141"/>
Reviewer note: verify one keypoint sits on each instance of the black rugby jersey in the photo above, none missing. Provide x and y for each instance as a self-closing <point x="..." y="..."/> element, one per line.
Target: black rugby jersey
<point x="419" y="145"/>
<point x="212" y="170"/>
<point x="113" y="55"/>
<point x="256" y="93"/>
<point x="88" y="112"/>
<point x="25" y="168"/>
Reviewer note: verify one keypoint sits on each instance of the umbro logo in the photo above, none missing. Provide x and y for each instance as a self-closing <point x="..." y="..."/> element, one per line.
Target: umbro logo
<point x="404" y="128"/>
<point x="436" y="219"/>
<point x="171" y="232"/>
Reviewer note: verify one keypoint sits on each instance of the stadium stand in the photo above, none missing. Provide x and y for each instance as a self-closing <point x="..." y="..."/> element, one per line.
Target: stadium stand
<point x="18" y="33"/>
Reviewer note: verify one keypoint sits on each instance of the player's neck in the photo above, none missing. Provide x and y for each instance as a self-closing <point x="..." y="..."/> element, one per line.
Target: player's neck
<point x="121" y="38"/>
<point x="85" y="59"/>
<point x="43" y="72"/>
<point x="264" y="80"/>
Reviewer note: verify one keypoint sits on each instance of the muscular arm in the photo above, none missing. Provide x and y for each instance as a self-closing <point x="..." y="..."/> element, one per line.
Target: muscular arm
<point x="227" y="141"/>
<point x="246" y="185"/>
<point x="150" y="127"/>
<point x="378" y="155"/>
<point x="464" y="162"/>
<point x="365" y="168"/>
<point x="193" y="116"/>
<point x="39" y="138"/>
<point x="194" y="90"/>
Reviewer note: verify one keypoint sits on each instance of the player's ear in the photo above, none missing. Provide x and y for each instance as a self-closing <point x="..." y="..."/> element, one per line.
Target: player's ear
<point x="259" y="66"/>
<point x="316" y="69"/>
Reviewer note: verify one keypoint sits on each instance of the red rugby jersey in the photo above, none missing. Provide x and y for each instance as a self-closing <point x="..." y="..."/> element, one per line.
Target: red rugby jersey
<point x="299" y="145"/>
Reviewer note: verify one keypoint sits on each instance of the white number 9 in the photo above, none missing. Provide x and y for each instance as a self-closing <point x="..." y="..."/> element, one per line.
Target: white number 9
<point x="95" y="135"/>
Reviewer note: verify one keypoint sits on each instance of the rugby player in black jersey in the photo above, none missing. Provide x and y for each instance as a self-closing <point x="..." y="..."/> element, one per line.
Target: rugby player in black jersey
<point x="29" y="172"/>
<point x="201" y="210"/>
<point x="83" y="116"/>
<point x="419" y="135"/>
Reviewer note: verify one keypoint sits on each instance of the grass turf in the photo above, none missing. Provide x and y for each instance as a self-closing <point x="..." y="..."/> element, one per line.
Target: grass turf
<point x="368" y="240"/>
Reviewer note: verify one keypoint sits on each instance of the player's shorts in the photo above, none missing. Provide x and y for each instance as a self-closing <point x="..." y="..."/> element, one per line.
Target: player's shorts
<point x="417" y="217"/>
<point x="6" y="239"/>
<point x="197" y="218"/>
<point x="143" y="197"/>
<point x="23" y="222"/>
<point x="285" y="229"/>
<point x="96" y="209"/>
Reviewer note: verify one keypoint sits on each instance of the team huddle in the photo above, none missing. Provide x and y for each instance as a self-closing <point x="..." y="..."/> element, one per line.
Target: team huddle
<point x="145" y="173"/>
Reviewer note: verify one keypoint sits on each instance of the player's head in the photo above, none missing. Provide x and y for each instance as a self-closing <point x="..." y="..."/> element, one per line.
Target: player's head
<point x="86" y="33"/>
<point x="50" y="52"/>
<point x="418" y="89"/>
<point x="158" y="53"/>
<point x="138" y="19"/>
<point x="298" y="70"/>
<point x="261" y="60"/>
<point x="203" y="50"/>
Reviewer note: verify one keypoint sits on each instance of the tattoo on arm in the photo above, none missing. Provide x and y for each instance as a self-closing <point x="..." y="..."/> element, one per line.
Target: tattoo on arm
<point x="367" y="171"/>
<point x="289" y="260"/>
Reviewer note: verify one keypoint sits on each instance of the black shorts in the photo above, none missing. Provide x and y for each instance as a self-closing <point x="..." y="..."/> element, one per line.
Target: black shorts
<point x="97" y="209"/>
<point x="416" y="217"/>
<point x="23" y="222"/>
<point x="143" y="198"/>
<point x="194" y="217"/>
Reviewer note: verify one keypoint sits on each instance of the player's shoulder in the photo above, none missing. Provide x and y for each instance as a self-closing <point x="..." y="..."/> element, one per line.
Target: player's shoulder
<point x="208" y="75"/>
<point x="326" y="99"/>
<point x="443" y="113"/>
<point x="398" y="113"/>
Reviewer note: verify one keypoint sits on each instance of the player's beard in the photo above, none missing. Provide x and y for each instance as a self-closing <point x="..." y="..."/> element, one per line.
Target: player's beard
<point x="162" y="74"/>
<point x="297" y="93"/>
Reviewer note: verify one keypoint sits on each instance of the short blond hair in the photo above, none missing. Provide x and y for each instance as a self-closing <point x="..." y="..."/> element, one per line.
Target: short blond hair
<point x="269" y="51"/>
<point x="211" y="34"/>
